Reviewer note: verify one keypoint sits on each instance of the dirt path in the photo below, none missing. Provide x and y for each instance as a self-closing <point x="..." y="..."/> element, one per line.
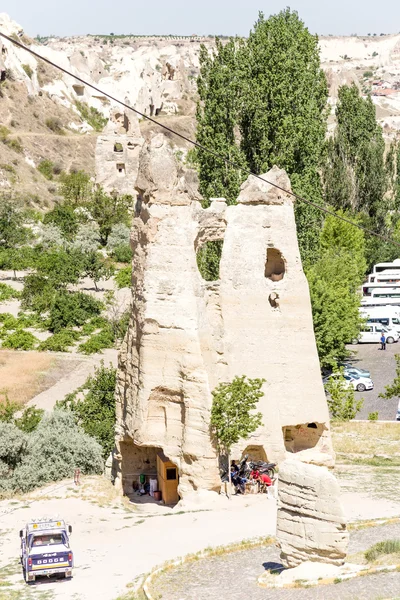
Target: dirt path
<point x="114" y="542"/>
<point x="73" y="379"/>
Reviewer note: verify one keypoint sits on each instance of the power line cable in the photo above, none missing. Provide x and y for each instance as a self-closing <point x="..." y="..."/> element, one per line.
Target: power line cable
<point x="197" y="145"/>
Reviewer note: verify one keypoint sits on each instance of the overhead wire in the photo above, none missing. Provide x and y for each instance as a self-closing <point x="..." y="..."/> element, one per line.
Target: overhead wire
<point x="227" y="160"/>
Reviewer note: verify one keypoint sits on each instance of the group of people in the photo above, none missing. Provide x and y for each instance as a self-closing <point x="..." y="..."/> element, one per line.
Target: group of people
<point x="255" y="477"/>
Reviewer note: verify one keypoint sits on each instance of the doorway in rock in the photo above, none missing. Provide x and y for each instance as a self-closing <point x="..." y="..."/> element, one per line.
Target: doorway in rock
<point x="145" y="470"/>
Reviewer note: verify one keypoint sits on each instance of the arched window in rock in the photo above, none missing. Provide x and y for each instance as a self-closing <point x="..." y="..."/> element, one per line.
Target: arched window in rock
<point x="275" y="265"/>
<point x="208" y="259"/>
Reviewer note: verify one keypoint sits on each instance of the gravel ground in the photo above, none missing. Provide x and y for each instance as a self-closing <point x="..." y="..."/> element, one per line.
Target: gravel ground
<point x="235" y="576"/>
<point x="382" y="366"/>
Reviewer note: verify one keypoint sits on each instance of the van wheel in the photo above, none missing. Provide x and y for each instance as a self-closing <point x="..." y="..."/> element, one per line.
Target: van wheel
<point x="361" y="387"/>
<point x="354" y="341"/>
<point x="390" y="340"/>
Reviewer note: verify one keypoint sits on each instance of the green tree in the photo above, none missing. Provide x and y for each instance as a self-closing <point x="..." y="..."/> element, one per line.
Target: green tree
<point x="96" y="412"/>
<point x="263" y="102"/>
<point x="65" y="218"/>
<point x="76" y="187"/>
<point x="218" y="85"/>
<point x="12" y="231"/>
<point x="283" y="116"/>
<point x="393" y="390"/>
<point x="341" y="402"/>
<point x="96" y="267"/>
<point x="30" y="419"/>
<point x="333" y="281"/>
<point x="108" y="210"/>
<point x="232" y="412"/>
<point x="355" y="175"/>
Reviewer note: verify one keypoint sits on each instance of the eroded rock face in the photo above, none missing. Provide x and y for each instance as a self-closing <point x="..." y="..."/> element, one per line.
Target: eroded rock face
<point x="187" y="335"/>
<point x="311" y="525"/>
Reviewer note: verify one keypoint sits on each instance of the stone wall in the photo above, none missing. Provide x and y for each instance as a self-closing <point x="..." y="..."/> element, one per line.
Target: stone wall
<point x="186" y="335"/>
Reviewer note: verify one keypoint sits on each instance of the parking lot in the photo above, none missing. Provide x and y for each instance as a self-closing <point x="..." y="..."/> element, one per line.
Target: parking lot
<point x="382" y="366"/>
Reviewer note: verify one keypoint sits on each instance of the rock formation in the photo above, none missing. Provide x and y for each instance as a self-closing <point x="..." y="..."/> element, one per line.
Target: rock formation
<point x="186" y="335"/>
<point x="311" y="525"/>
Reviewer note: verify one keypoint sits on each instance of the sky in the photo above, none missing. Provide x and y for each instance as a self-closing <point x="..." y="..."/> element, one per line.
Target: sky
<point x="203" y="17"/>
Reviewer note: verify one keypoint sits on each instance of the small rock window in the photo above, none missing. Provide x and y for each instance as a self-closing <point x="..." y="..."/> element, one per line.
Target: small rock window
<point x="79" y="89"/>
<point x="118" y="147"/>
<point x="121" y="168"/>
<point x="275" y="265"/>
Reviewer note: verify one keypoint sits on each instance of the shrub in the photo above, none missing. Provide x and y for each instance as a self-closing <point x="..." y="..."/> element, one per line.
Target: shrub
<point x="7" y="292"/>
<point x="51" y="237"/>
<point x="373" y="416"/>
<point x="119" y="236"/>
<point x="12" y="444"/>
<point x="341" y="402"/>
<point x="55" y="125"/>
<point x="60" y="342"/>
<point x="95" y="323"/>
<point x="123" y="278"/>
<point x="91" y="115"/>
<point x="367" y="74"/>
<point x="72" y="309"/>
<point x="38" y="293"/>
<point x="30" y="419"/>
<point x="122" y="253"/>
<point x="54" y="450"/>
<point x="97" y="342"/>
<point x="28" y="70"/>
<point x="15" y="144"/>
<point x="65" y="218"/>
<point x="45" y="167"/>
<point x="20" y="340"/>
<point x="386" y="547"/>
<point x="87" y="237"/>
<point x="8" y="408"/>
<point x="96" y="412"/>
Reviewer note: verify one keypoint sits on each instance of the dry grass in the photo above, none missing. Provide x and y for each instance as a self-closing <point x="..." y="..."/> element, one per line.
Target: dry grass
<point x="23" y="375"/>
<point x="366" y="439"/>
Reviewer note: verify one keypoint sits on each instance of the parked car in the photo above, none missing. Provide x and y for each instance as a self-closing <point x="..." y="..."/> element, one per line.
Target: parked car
<point x="359" y="384"/>
<point x="351" y="370"/>
<point x="398" y="412"/>
<point x="372" y="332"/>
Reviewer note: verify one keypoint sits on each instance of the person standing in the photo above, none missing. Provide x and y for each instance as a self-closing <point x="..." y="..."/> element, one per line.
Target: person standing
<point x="383" y="341"/>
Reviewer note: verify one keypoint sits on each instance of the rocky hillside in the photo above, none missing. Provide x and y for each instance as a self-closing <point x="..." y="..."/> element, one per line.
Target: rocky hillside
<point x="48" y="116"/>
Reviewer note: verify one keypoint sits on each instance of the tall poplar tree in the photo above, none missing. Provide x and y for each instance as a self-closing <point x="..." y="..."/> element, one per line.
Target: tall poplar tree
<point x="217" y="118"/>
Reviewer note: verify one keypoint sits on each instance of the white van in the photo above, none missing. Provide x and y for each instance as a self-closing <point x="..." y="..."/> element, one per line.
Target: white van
<point x="371" y="333"/>
<point x="386" y="315"/>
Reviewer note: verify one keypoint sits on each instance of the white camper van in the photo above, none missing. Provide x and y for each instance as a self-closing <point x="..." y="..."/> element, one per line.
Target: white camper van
<point x="389" y="316"/>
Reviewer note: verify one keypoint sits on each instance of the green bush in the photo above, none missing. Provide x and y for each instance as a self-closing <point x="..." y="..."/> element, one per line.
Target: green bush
<point x="20" y="340"/>
<point x="65" y="218"/>
<point x="96" y="412"/>
<point x="49" y="453"/>
<point x="71" y="309"/>
<point x="60" y="342"/>
<point x="97" y="342"/>
<point x="7" y="292"/>
<point x="38" y="294"/>
<point x="368" y="74"/>
<point x="45" y="167"/>
<point x="93" y="325"/>
<point x="91" y="115"/>
<point x="123" y="278"/>
<point x="55" y="125"/>
<point x="386" y="547"/>
<point x="122" y="253"/>
<point x="8" y="408"/>
<point x="28" y="70"/>
<point x="30" y="419"/>
<point x="373" y="416"/>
